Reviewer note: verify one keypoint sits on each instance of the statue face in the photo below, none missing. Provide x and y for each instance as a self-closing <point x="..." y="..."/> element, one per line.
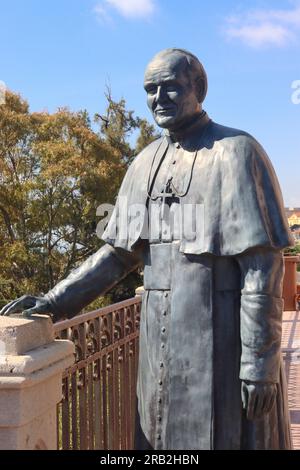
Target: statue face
<point x="171" y="94"/>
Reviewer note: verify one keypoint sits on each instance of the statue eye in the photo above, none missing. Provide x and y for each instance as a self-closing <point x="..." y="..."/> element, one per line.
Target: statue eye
<point x="171" y="88"/>
<point x="151" y="90"/>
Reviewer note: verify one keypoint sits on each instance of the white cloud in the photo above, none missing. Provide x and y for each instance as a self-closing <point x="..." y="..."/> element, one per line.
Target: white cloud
<point x="261" y="34"/>
<point x="257" y="28"/>
<point x="135" y="9"/>
<point x="287" y="17"/>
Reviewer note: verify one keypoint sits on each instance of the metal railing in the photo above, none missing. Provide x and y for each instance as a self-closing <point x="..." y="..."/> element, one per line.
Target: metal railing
<point x="98" y="406"/>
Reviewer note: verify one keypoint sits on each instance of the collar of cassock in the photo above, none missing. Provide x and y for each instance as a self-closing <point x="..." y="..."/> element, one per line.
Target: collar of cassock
<point x="188" y="136"/>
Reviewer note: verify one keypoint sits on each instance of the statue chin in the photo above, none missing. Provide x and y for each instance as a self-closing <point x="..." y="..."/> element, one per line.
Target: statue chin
<point x="165" y="122"/>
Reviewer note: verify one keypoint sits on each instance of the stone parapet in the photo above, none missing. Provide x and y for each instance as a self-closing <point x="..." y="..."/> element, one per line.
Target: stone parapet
<point x="31" y="367"/>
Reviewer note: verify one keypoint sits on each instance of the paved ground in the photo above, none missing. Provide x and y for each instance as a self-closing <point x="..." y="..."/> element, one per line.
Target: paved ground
<point x="291" y="352"/>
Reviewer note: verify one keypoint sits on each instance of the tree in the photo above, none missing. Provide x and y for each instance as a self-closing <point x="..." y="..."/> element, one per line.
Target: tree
<point x="147" y="134"/>
<point x="55" y="170"/>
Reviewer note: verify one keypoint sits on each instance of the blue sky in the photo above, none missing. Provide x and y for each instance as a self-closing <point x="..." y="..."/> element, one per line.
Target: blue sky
<point x="63" y="52"/>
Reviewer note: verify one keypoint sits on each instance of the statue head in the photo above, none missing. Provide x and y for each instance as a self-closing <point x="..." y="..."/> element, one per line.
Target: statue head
<point x="176" y="86"/>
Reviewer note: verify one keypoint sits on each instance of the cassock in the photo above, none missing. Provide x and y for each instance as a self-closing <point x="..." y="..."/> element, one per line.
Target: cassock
<point x="203" y="214"/>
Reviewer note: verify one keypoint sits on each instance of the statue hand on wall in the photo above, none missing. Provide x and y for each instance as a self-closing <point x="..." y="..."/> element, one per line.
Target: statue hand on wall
<point x="258" y="398"/>
<point x="27" y="305"/>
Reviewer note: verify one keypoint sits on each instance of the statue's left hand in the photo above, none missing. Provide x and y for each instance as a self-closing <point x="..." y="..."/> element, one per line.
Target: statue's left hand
<point x="28" y="305"/>
<point x="258" y="398"/>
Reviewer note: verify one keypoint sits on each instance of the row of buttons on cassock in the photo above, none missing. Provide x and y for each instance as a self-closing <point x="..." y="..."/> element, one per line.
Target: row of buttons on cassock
<point x="160" y="381"/>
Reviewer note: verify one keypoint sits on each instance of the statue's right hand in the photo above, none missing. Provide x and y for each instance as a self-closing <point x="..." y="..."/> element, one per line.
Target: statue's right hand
<point x="27" y="305"/>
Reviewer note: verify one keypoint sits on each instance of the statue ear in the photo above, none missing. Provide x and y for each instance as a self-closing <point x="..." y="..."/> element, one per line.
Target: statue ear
<point x="201" y="89"/>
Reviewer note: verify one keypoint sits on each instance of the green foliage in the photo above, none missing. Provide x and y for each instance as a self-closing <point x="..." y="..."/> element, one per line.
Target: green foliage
<point x="55" y="170"/>
<point x="295" y="250"/>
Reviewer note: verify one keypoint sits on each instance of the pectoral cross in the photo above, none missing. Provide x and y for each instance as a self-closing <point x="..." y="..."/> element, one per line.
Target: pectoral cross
<point x="166" y="194"/>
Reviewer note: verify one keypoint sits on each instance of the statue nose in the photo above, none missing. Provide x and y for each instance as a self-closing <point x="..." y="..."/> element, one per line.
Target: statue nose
<point x="161" y="94"/>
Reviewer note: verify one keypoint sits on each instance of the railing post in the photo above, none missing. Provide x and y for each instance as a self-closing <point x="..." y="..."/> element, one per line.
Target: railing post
<point x="290" y="282"/>
<point x="31" y="366"/>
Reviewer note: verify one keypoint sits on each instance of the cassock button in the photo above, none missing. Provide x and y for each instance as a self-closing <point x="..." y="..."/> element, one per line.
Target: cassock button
<point x="166" y="294"/>
<point x="158" y="437"/>
<point x="164" y="313"/>
<point x="159" y="418"/>
<point x="162" y="346"/>
<point x="160" y="382"/>
<point x="163" y="330"/>
<point x="159" y="401"/>
<point x="161" y="365"/>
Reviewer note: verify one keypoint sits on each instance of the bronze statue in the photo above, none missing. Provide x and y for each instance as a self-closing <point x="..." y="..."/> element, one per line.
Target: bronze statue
<point x="210" y="239"/>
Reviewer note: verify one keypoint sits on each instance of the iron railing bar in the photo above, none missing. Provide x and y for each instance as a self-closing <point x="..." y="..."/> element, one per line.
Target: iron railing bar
<point x="85" y="317"/>
<point x="95" y="413"/>
<point x="108" y="349"/>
